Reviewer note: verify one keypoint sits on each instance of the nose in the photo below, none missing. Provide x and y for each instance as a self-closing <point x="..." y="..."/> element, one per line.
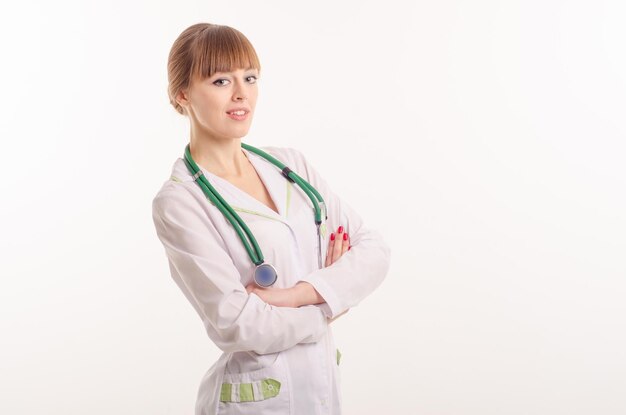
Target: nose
<point x="239" y="93"/>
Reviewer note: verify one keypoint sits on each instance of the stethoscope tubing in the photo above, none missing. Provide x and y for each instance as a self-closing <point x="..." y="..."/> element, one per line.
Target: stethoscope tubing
<point x="310" y="191"/>
<point x="255" y="255"/>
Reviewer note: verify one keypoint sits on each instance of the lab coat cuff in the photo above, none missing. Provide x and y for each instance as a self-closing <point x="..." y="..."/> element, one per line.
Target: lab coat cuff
<point x="332" y="305"/>
<point x="328" y="313"/>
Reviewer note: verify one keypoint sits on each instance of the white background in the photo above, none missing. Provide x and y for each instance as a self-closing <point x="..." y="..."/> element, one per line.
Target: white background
<point x="484" y="139"/>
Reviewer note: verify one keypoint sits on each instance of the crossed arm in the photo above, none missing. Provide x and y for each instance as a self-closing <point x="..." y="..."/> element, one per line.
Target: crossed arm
<point x="303" y="293"/>
<point x="235" y="319"/>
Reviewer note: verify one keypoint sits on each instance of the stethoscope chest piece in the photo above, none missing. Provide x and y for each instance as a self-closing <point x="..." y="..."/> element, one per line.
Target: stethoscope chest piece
<point x="265" y="275"/>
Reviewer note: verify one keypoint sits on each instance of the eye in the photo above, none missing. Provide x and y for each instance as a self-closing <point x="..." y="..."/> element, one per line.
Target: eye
<point x="220" y="80"/>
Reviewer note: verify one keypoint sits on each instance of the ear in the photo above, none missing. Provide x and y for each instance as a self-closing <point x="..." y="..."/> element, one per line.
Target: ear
<point x="182" y="99"/>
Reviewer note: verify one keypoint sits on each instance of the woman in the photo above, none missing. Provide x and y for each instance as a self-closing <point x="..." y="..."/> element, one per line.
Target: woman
<point x="278" y="356"/>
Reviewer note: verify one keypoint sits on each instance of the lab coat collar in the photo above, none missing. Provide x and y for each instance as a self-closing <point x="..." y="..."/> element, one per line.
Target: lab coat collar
<point x="240" y="201"/>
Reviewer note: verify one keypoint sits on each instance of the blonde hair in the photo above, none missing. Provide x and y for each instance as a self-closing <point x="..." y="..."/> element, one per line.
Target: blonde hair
<point x="202" y="50"/>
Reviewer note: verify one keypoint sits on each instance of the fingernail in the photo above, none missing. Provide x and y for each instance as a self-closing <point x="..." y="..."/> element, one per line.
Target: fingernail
<point x="332" y="236"/>
<point x="349" y="248"/>
<point x="345" y="236"/>
<point x="340" y="229"/>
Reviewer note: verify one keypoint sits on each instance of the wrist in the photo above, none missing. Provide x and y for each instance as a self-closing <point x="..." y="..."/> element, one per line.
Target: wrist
<point x="306" y="294"/>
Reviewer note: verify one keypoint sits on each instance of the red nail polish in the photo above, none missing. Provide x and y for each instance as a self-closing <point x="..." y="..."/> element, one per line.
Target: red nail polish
<point x="340" y="229"/>
<point x="349" y="248"/>
<point x="332" y="236"/>
<point x="345" y="236"/>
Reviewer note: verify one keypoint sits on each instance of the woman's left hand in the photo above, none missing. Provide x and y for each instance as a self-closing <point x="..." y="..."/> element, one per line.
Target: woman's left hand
<point x="281" y="297"/>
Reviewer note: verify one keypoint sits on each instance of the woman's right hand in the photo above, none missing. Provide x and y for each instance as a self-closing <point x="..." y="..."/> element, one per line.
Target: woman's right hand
<point x="338" y="245"/>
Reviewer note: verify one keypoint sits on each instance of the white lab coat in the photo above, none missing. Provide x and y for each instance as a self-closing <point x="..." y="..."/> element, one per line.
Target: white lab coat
<point x="208" y="261"/>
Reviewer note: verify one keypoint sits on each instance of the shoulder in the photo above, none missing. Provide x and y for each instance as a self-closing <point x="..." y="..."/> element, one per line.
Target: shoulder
<point x="176" y="192"/>
<point x="170" y="197"/>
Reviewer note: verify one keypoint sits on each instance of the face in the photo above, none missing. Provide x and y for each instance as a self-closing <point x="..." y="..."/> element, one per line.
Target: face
<point x="211" y="101"/>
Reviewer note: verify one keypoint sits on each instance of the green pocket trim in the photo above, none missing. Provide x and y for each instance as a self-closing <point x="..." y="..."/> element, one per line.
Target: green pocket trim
<point x="269" y="388"/>
<point x="338" y="356"/>
<point x="249" y="392"/>
<point x="226" y="392"/>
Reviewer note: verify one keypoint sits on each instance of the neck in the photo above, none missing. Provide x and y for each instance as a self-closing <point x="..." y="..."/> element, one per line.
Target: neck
<point x="222" y="157"/>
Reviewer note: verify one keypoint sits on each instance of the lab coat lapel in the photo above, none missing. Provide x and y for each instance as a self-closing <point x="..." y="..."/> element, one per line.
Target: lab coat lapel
<point x="239" y="200"/>
<point x="275" y="183"/>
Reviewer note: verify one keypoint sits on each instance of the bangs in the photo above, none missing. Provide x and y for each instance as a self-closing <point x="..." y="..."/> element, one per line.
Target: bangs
<point x="222" y="49"/>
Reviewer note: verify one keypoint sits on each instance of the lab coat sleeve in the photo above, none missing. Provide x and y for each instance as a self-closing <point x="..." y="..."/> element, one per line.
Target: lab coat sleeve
<point x="359" y="271"/>
<point x="234" y="320"/>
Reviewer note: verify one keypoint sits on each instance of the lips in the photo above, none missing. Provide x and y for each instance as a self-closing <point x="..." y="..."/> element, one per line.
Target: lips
<point x="238" y="114"/>
<point x="238" y="111"/>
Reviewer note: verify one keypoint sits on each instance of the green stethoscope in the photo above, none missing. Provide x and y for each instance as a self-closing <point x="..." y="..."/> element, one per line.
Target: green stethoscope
<point x="264" y="275"/>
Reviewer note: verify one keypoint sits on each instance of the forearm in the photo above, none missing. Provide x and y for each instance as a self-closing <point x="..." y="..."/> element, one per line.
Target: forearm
<point x="301" y="294"/>
<point x="264" y="329"/>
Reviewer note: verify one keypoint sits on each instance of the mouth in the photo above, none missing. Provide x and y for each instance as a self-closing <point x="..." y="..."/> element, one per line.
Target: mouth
<point x="239" y="115"/>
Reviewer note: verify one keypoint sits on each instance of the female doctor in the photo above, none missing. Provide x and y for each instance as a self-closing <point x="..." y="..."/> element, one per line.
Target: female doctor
<point x="245" y="241"/>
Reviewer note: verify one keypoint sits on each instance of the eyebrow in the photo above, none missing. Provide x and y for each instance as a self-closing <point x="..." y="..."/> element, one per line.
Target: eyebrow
<point x="247" y="69"/>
